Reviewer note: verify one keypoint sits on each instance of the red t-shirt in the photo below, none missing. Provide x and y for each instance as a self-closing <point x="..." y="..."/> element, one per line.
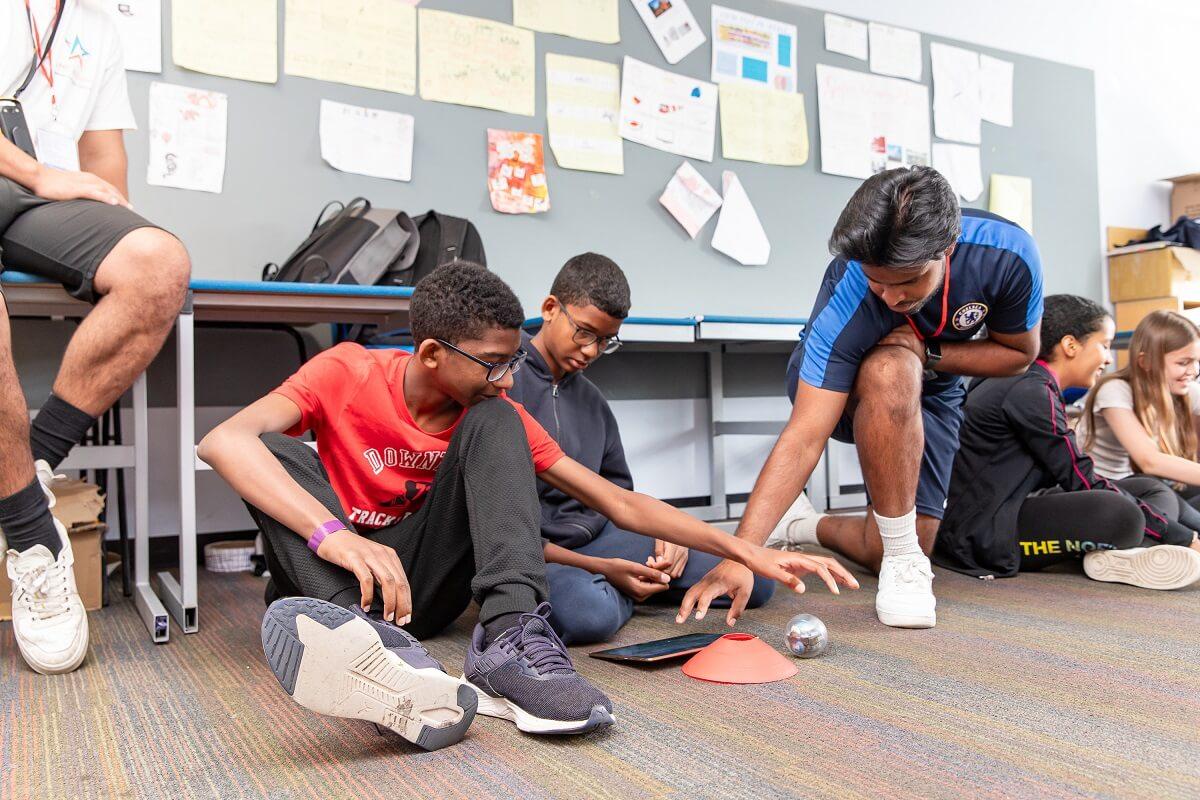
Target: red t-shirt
<point x="380" y="463"/>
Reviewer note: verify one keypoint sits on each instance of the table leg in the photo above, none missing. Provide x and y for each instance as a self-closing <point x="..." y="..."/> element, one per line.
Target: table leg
<point x="148" y="605"/>
<point x="180" y="595"/>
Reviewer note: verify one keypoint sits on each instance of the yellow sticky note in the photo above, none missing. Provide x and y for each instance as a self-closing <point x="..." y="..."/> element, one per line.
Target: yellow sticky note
<point x="371" y="43"/>
<point x="231" y="38"/>
<point x="476" y="62"/>
<point x="593" y="20"/>
<point x="583" y="104"/>
<point x="763" y="125"/>
<point x="1012" y="198"/>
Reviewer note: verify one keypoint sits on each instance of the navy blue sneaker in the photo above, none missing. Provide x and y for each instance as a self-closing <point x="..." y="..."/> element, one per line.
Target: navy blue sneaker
<point x="526" y="676"/>
<point x="346" y="663"/>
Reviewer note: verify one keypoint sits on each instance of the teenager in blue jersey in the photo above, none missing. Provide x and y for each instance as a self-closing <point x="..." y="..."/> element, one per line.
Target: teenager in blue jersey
<point x="919" y="294"/>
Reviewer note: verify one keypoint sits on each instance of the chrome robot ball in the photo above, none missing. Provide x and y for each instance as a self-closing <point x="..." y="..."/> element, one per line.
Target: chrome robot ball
<point x="806" y="636"/>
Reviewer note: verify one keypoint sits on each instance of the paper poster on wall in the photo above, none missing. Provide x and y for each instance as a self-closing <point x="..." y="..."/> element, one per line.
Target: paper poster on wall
<point x="367" y="141"/>
<point x="996" y="90"/>
<point x="739" y="232"/>
<point x="690" y="199"/>
<point x="371" y="43"/>
<point x="846" y="36"/>
<point x="858" y="112"/>
<point x="667" y="111"/>
<point x="895" y="51"/>
<point x="749" y="48"/>
<point x="476" y="62"/>
<point x="955" y="93"/>
<point x="593" y="20"/>
<point x="139" y="24"/>
<point x="187" y="138"/>
<point x="1012" y="198"/>
<point x="517" y="172"/>
<point x="763" y="125"/>
<point x="959" y="163"/>
<point x="583" y="106"/>
<point x="230" y="38"/>
<point x="672" y="26"/>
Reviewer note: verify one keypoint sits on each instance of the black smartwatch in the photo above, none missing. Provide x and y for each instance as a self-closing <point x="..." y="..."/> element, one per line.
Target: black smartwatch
<point x="933" y="356"/>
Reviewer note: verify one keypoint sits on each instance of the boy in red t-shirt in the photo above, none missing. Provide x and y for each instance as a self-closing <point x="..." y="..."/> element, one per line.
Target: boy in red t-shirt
<point x="423" y="498"/>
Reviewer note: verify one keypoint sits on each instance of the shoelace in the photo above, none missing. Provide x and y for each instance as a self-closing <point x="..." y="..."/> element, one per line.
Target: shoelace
<point x="44" y="591"/>
<point x="540" y="645"/>
<point x="910" y="572"/>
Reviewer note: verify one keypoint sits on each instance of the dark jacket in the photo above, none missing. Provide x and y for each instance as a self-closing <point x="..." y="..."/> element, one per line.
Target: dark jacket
<point x="1014" y="441"/>
<point x="578" y="417"/>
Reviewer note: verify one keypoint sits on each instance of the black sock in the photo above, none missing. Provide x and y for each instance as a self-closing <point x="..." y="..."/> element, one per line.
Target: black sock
<point x="495" y="627"/>
<point x="26" y="521"/>
<point x="57" y="428"/>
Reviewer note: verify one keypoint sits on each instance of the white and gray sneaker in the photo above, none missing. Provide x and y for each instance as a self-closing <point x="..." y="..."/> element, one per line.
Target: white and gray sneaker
<point x="787" y="534"/>
<point x="1163" y="567"/>
<point x="49" y="620"/>
<point x="905" y="595"/>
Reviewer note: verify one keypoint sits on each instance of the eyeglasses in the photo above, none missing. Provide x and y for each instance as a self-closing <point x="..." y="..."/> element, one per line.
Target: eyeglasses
<point x="495" y="371"/>
<point x="608" y="344"/>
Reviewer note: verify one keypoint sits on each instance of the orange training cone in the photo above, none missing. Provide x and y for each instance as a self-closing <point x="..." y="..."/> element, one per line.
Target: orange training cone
<point x="739" y="658"/>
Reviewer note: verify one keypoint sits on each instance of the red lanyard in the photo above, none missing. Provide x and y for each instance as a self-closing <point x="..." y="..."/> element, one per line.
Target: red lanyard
<point x="37" y="49"/>
<point x="945" y="308"/>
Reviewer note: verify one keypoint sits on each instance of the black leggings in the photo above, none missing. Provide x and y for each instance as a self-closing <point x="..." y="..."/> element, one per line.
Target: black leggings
<point x="1059" y="526"/>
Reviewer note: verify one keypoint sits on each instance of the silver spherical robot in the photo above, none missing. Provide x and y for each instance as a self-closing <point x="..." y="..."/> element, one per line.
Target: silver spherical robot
<point x="806" y="636"/>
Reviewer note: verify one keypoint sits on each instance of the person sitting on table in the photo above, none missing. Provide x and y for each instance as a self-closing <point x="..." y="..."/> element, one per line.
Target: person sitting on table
<point x="595" y="570"/>
<point x="67" y="218"/>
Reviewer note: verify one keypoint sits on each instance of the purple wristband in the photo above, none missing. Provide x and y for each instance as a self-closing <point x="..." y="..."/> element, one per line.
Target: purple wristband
<point x="323" y="530"/>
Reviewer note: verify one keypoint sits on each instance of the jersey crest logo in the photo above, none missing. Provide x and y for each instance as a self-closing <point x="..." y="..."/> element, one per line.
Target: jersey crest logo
<point x="969" y="316"/>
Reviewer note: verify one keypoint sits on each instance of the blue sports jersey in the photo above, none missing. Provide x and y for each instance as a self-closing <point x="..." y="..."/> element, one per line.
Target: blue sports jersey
<point x="995" y="281"/>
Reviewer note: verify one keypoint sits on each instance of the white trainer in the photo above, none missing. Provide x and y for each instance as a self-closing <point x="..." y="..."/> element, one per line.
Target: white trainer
<point x="905" y="595"/>
<point x="785" y="537"/>
<point x="49" y="620"/>
<point x="1163" y="567"/>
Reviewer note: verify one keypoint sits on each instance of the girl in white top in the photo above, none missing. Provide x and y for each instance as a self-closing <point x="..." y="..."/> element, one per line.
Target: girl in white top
<point x="1142" y="418"/>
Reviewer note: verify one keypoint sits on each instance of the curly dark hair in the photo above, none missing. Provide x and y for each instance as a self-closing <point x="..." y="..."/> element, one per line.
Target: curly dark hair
<point x="593" y="279"/>
<point x="461" y="300"/>
<point x="899" y="219"/>
<point x="1069" y="315"/>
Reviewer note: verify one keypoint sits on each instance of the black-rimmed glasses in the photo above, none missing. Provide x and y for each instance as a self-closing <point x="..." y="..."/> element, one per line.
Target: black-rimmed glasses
<point x="582" y="336"/>
<point x="495" y="371"/>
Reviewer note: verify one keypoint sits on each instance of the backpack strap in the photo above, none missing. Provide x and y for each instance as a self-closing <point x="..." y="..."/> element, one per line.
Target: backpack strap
<point x="452" y="235"/>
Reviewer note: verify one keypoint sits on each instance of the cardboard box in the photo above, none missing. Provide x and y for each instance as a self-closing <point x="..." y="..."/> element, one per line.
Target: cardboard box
<point x="1185" y="196"/>
<point x="78" y="507"/>
<point x="1130" y="312"/>
<point x="1157" y="271"/>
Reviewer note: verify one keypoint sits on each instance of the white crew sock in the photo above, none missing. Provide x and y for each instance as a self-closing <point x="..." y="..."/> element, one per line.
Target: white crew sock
<point x="804" y="530"/>
<point x="899" y="534"/>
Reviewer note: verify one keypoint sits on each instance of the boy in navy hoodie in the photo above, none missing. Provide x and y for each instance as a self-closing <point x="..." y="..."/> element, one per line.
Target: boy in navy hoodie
<point x="595" y="570"/>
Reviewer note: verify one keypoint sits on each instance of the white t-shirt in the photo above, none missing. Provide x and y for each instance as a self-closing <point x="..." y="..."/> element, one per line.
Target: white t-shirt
<point x="1111" y="459"/>
<point x="89" y="68"/>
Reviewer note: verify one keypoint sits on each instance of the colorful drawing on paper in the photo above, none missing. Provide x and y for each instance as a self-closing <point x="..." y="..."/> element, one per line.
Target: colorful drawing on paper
<point x="517" y="172"/>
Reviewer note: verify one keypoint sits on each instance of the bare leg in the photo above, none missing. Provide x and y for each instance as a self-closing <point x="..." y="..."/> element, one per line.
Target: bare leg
<point x="16" y="465"/>
<point x="142" y="282"/>
<point x="857" y="537"/>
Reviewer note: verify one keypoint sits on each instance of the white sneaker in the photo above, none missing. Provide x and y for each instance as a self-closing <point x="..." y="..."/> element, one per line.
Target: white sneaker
<point x="1166" y="566"/>
<point x="905" y="596"/>
<point x="46" y="478"/>
<point x="785" y="536"/>
<point x="49" y="621"/>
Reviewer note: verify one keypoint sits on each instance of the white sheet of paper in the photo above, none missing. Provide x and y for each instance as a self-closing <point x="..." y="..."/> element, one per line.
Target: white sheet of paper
<point x="583" y="106"/>
<point x="955" y="93"/>
<point x="846" y="36"/>
<point x="476" y="62"/>
<point x="371" y="43"/>
<point x="855" y="108"/>
<point x="690" y="199"/>
<point x="959" y="163"/>
<point x="667" y="111"/>
<point x="367" y="141"/>
<point x="1012" y="198"/>
<point x="754" y="49"/>
<point x="895" y="51"/>
<point x="139" y="24"/>
<point x="739" y="232"/>
<point x="230" y="38"/>
<point x="996" y="90"/>
<point x="593" y="20"/>
<point x="763" y="125"/>
<point x="57" y="149"/>
<point x="187" y="137"/>
<point x="672" y="26"/>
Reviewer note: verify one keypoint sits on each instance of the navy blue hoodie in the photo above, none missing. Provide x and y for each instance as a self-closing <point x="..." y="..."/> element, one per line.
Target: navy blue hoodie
<point x="575" y="413"/>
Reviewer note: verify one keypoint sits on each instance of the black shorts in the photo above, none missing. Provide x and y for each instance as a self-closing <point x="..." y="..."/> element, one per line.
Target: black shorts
<point x="62" y="241"/>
